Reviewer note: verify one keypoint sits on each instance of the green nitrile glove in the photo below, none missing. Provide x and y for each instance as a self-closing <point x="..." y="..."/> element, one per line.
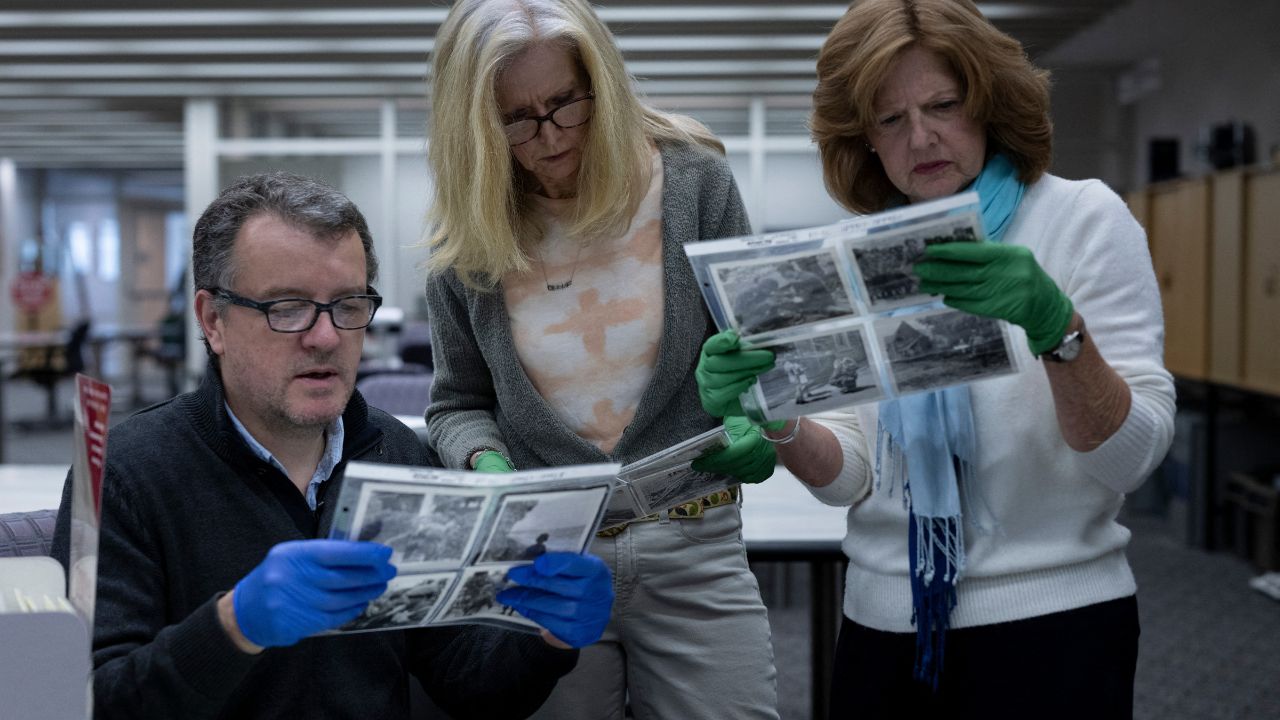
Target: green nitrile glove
<point x="749" y="458"/>
<point x="998" y="281"/>
<point x="492" y="462"/>
<point x="725" y="371"/>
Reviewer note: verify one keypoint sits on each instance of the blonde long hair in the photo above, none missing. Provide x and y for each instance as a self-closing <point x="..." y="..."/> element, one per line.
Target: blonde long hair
<point x="481" y="209"/>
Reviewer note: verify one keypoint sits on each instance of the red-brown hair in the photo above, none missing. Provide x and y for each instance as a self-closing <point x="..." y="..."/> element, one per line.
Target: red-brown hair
<point x="1003" y="91"/>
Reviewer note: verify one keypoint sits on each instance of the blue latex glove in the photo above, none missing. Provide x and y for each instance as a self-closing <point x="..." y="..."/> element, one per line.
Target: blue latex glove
<point x="570" y="595"/>
<point x="749" y="457"/>
<point x="307" y="586"/>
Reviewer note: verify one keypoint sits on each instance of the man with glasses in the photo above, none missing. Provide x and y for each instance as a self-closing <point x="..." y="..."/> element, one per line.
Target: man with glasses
<point x="212" y="574"/>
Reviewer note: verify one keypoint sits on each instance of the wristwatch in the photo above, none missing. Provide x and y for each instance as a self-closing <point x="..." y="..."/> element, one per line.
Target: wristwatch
<point x="1069" y="348"/>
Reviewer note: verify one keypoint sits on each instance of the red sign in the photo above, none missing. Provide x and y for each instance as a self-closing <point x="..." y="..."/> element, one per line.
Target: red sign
<point x="31" y="290"/>
<point x="94" y="398"/>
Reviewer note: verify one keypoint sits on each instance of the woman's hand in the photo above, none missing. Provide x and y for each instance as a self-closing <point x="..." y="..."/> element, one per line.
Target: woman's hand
<point x="725" y="371"/>
<point x="749" y="458"/>
<point x="999" y="281"/>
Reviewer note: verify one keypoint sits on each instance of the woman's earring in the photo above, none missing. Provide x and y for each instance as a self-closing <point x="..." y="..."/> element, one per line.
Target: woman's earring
<point x="871" y="149"/>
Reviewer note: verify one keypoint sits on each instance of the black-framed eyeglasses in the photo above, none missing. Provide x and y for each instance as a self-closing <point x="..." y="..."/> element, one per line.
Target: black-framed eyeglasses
<point x="569" y="115"/>
<point x="294" y="315"/>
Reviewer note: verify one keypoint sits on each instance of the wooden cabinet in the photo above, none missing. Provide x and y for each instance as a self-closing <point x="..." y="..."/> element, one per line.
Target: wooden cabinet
<point x="1180" y="250"/>
<point x="1139" y="202"/>
<point x="1226" y="278"/>
<point x="1262" y="282"/>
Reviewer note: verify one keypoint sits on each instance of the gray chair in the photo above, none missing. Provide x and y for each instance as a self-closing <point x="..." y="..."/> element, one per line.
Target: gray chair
<point x="414" y="344"/>
<point x="397" y="393"/>
<point x="25" y="534"/>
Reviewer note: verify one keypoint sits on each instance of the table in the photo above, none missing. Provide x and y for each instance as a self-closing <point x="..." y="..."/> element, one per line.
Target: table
<point x="139" y="338"/>
<point x="31" y="487"/>
<point x="783" y="522"/>
<point x="11" y="344"/>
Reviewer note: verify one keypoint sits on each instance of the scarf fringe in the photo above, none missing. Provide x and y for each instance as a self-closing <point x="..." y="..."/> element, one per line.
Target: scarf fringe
<point x="933" y="590"/>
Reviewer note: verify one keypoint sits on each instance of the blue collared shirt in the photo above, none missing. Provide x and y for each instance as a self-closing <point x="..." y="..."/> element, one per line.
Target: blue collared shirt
<point x="333" y="438"/>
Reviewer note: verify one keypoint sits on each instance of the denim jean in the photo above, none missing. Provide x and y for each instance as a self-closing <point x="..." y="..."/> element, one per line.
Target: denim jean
<point x="689" y="637"/>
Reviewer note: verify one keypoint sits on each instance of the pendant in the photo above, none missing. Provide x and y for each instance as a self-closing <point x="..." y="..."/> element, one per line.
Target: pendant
<point x="559" y="286"/>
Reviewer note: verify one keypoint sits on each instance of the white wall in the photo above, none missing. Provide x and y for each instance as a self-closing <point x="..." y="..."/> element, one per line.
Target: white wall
<point x="793" y="195"/>
<point x="1217" y="61"/>
<point x="360" y="178"/>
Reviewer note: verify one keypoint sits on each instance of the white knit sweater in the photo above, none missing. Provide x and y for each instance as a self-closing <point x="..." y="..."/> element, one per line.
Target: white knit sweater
<point x="1058" y="545"/>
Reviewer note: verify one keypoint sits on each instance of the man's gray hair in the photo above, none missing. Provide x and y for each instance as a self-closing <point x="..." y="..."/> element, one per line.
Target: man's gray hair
<point x="295" y="199"/>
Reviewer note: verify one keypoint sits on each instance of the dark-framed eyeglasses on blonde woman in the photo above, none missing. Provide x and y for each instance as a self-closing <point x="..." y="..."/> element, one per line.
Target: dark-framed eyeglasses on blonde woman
<point x="569" y="115"/>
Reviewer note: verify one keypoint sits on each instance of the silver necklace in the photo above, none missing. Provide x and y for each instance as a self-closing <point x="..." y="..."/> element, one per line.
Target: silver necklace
<point x="560" y="285"/>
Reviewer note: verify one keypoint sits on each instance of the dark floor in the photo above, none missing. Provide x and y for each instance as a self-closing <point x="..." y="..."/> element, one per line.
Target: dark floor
<point x="1210" y="645"/>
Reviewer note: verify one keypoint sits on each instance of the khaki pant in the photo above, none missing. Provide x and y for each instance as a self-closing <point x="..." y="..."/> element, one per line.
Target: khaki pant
<point x="689" y="637"/>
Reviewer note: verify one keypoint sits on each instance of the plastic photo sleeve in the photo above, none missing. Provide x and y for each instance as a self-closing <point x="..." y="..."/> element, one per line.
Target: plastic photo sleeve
<point x="474" y="599"/>
<point x="427" y="528"/>
<point x="818" y="371"/>
<point x="938" y="348"/>
<point x="772" y="293"/>
<point x="884" y="261"/>
<point x="531" y="524"/>
<point x="454" y="534"/>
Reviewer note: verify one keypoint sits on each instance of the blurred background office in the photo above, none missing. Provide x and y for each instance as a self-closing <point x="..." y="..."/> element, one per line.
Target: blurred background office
<point x="120" y="120"/>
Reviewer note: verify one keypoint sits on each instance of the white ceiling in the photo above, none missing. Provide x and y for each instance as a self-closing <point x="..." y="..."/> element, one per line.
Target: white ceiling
<point x="101" y="82"/>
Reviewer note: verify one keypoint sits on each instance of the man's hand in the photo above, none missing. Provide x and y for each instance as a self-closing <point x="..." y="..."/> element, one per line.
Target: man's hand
<point x="749" y="458"/>
<point x="725" y="371"/>
<point x="570" y="595"/>
<point x="307" y="586"/>
<point x="999" y="281"/>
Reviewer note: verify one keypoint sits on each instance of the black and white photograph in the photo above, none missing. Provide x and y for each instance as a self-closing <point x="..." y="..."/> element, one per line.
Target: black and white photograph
<point x="821" y="372"/>
<point x="408" y="601"/>
<point x="783" y="291"/>
<point x="475" y="597"/>
<point x="885" y="260"/>
<point x="943" y="347"/>
<point x="666" y="489"/>
<point x="529" y="525"/>
<point x="426" y="528"/>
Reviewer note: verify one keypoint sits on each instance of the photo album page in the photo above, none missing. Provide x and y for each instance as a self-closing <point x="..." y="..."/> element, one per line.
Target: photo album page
<point x="454" y="535"/>
<point x="841" y="309"/>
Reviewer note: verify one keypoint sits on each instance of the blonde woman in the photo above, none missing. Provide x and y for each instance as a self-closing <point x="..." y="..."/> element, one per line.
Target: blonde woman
<point x="567" y="323"/>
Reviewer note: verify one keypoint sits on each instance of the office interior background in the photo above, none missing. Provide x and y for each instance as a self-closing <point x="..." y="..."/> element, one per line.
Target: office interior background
<point x="120" y="120"/>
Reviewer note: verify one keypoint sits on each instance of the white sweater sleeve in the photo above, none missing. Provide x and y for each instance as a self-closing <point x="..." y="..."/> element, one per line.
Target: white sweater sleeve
<point x="1112" y="284"/>
<point x="854" y="481"/>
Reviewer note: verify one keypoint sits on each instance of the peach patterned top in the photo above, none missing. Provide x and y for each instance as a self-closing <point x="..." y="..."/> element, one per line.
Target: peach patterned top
<point x="590" y="348"/>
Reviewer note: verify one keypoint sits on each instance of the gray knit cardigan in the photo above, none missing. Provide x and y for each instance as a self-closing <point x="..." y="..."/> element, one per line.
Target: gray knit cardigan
<point x="481" y="396"/>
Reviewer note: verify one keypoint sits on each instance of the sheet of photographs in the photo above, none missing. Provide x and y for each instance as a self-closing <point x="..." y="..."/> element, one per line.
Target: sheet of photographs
<point x="838" y="303"/>
<point x="454" y="535"/>
<point x="665" y="479"/>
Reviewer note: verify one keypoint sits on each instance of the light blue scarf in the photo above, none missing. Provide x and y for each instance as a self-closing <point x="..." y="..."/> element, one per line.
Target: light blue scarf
<point x="926" y="442"/>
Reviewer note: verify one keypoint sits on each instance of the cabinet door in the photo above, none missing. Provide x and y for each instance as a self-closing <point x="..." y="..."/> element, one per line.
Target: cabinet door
<point x="1180" y="251"/>
<point x="1139" y="202"/>
<point x="1262" y="283"/>
<point x="1226" y="287"/>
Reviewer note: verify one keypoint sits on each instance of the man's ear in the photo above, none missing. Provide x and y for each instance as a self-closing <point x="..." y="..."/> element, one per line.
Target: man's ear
<point x="210" y="321"/>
